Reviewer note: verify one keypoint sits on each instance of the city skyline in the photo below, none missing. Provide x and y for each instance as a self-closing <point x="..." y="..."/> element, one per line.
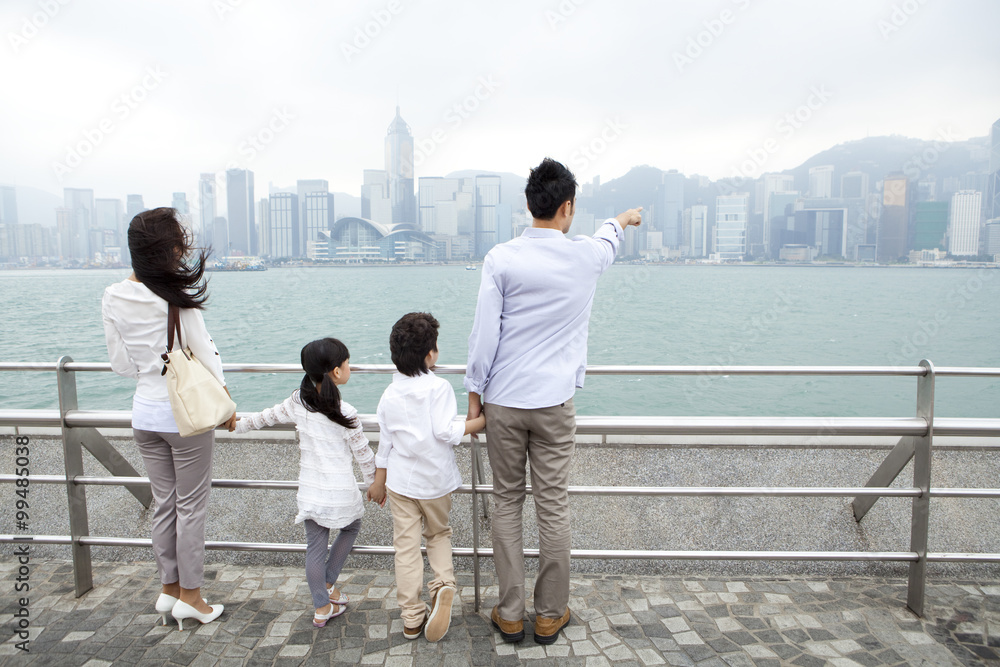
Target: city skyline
<point x="320" y="77"/>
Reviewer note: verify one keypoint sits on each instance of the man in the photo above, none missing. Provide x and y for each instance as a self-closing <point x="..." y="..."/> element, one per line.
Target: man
<point x="527" y="356"/>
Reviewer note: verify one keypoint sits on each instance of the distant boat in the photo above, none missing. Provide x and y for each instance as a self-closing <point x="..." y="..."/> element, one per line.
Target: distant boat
<point x="237" y="264"/>
<point x="470" y="267"/>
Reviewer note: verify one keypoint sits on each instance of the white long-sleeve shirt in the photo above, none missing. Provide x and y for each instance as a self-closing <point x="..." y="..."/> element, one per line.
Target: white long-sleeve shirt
<point x="528" y="346"/>
<point x="135" y="329"/>
<point x="418" y="431"/>
<point x="328" y="492"/>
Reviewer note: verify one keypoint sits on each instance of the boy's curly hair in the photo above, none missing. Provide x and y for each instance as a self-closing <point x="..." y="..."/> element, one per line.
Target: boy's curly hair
<point x="413" y="337"/>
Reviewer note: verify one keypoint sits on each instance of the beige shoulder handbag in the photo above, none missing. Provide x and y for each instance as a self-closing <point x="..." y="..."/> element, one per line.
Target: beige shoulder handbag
<point x="197" y="399"/>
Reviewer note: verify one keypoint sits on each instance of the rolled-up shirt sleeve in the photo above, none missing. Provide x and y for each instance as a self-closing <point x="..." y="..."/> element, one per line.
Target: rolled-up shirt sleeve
<point x="197" y="338"/>
<point x="121" y="361"/>
<point x="485" y="336"/>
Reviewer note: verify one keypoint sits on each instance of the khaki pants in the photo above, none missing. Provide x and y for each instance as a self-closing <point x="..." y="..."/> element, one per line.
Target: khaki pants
<point x="408" y="514"/>
<point x="546" y="437"/>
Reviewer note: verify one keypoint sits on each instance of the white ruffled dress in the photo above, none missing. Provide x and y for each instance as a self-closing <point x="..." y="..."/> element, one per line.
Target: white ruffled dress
<point x="328" y="491"/>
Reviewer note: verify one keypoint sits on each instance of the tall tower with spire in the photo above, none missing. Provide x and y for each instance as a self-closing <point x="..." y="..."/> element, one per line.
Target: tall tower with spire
<point x="399" y="168"/>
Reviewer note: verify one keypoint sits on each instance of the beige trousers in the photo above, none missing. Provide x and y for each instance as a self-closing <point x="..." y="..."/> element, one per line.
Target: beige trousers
<point x="408" y="516"/>
<point x="546" y="437"/>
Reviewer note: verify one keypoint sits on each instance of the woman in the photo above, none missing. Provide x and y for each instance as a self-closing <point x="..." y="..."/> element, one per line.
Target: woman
<point x="179" y="469"/>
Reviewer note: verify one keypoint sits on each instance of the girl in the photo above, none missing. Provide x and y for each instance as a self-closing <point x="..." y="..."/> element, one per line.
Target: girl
<point x="328" y="498"/>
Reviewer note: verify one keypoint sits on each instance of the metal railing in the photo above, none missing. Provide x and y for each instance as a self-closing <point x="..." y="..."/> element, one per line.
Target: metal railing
<point x="78" y="428"/>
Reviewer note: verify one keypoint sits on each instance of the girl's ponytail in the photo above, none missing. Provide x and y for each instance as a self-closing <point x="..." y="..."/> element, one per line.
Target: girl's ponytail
<point x="318" y="359"/>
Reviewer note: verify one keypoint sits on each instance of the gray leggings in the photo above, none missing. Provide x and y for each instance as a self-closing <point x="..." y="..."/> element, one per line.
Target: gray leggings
<point x="320" y="569"/>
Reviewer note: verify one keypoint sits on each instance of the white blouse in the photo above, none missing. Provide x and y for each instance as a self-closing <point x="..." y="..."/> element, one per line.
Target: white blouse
<point x="418" y="431"/>
<point x="135" y="329"/>
<point x="328" y="491"/>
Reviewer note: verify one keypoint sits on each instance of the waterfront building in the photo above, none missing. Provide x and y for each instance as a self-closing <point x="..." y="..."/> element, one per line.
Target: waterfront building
<point x="399" y="169"/>
<point x="375" y="204"/>
<point x="822" y="224"/>
<point x="671" y="209"/>
<point x="109" y="217"/>
<point x="821" y="182"/>
<point x="991" y="208"/>
<point x="179" y="202"/>
<point x="240" y="210"/>
<point x="360" y="240"/>
<point x="781" y="224"/>
<point x="854" y="185"/>
<point x="264" y="224"/>
<point x="893" y="229"/>
<point x="220" y="237"/>
<point x="930" y="225"/>
<point x="206" y="208"/>
<point x="731" y="212"/>
<point x="436" y="197"/>
<point x="993" y="238"/>
<point x="134" y="205"/>
<point x="8" y="204"/>
<point x="699" y="238"/>
<point x="926" y="189"/>
<point x="319" y="217"/>
<point x="283" y="222"/>
<point x="487" y="199"/>
<point x="773" y="183"/>
<point x="303" y="188"/>
<point x="963" y="223"/>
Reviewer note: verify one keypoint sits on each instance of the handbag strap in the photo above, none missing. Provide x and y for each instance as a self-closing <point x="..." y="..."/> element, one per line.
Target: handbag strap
<point x="173" y="324"/>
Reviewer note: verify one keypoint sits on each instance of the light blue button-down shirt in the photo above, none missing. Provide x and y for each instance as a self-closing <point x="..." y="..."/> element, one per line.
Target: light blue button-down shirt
<point x="528" y="347"/>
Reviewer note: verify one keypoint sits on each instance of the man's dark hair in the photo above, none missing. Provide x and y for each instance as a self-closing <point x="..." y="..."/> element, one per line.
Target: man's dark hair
<point x="549" y="186"/>
<point x="413" y="337"/>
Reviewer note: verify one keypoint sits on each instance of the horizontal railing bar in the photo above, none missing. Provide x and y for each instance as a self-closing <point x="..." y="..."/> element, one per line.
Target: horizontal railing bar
<point x="487" y="552"/>
<point x="966" y="372"/>
<point x="965" y="426"/>
<point x="275" y="484"/>
<point x="459" y="369"/>
<point x="964" y="493"/>
<point x="962" y="558"/>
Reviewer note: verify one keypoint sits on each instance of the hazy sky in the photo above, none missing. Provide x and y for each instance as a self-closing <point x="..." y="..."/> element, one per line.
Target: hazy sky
<point x="156" y="91"/>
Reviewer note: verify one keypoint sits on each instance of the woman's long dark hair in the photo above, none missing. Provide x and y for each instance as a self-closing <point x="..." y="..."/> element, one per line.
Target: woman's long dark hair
<point x="318" y="359"/>
<point x="158" y="244"/>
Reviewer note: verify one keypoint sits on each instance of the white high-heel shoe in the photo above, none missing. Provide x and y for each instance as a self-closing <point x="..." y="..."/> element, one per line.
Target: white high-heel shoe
<point x="164" y="604"/>
<point x="183" y="610"/>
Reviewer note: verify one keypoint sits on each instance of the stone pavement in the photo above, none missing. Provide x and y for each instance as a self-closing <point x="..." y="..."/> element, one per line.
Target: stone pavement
<point x="617" y="620"/>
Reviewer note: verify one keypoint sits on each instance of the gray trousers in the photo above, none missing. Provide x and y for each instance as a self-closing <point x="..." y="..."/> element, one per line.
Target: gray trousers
<point x="321" y="568"/>
<point x="180" y="472"/>
<point x="546" y="437"/>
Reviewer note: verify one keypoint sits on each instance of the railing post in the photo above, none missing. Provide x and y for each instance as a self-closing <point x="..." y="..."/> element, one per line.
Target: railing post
<point x="475" y="516"/>
<point x="920" y="518"/>
<point x="76" y="494"/>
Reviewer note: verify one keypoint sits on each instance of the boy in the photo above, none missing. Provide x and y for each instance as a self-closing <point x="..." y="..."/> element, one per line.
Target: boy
<point x="416" y="463"/>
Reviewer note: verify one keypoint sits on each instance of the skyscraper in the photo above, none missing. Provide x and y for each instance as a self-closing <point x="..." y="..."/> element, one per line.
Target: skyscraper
<point x="80" y="203"/>
<point x="773" y="183"/>
<point x="375" y="203"/>
<point x="240" y="210"/>
<point x="963" y="224"/>
<point x="854" y="185"/>
<point x="487" y="199"/>
<point x="731" y="213"/>
<point x="893" y="225"/>
<point x="930" y="224"/>
<point x="319" y="219"/>
<point x="821" y="181"/>
<point x="283" y="222"/>
<point x="8" y="205"/>
<point x="303" y="189"/>
<point x="399" y="168"/>
<point x="670" y="215"/>
<point x="133" y="206"/>
<point x="699" y="231"/>
<point x="179" y="202"/>
<point x="206" y="208"/>
<point x="992" y="206"/>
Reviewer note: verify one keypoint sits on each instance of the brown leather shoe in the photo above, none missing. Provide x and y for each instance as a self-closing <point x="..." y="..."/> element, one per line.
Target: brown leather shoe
<point x="511" y="631"/>
<point x="547" y="629"/>
<point x="413" y="633"/>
